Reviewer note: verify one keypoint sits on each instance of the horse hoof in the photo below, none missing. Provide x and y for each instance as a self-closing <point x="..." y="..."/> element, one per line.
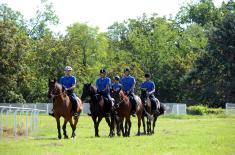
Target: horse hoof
<point x="66" y="137"/>
<point x="59" y="137"/>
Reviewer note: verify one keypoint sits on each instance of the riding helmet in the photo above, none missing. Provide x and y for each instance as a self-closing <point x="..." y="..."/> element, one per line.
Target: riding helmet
<point x="147" y="75"/>
<point x="127" y="69"/>
<point x="68" y="68"/>
<point x="117" y="77"/>
<point x="103" y="71"/>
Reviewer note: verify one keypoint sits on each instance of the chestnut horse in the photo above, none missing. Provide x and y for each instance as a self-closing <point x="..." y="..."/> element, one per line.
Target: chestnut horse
<point x="63" y="107"/>
<point x="97" y="103"/>
<point x="148" y="108"/>
<point x="123" y="109"/>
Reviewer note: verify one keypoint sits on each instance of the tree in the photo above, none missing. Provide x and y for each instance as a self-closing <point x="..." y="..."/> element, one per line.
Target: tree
<point x="214" y="75"/>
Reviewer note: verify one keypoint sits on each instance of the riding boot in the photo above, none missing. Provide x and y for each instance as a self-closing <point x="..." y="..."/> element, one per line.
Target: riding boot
<point x="133" y="103"/>
<point x="75" y="113"/>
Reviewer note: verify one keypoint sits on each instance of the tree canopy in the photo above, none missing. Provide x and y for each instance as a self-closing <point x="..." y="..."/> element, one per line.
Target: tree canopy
<point x="191" y="58"/>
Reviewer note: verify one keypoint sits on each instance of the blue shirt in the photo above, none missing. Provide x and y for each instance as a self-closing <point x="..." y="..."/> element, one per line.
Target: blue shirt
<point x="116" y="86"/>
<point x="67" y="81"/>
<point x="149" y="85"/>
<point x="102" y="83"/>
<point x="127" y="83"/>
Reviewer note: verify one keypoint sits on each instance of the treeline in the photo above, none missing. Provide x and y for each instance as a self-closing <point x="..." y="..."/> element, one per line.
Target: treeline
<point x="191" y="57"/>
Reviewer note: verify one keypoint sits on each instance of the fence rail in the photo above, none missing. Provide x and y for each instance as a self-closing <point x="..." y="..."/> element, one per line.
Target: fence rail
<point x="5" y="110"/>
<point x="171" y="108"/>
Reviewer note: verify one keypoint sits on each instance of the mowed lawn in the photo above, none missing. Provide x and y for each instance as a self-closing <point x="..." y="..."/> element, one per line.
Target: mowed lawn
<point x="174" y="135"/>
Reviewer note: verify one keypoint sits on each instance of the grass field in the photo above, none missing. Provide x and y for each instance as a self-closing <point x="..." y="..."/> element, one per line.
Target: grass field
<point x="174" y="135"/>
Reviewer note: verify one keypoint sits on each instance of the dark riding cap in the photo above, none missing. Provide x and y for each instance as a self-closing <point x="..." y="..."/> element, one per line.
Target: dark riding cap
<point x="147" y="75"/>
<point x="117" y="77"/>
<point x="127" y="69"/>
<point x="103" y="71"/>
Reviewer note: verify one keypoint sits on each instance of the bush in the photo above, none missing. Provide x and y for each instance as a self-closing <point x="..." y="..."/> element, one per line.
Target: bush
<point x="202" y="110"/>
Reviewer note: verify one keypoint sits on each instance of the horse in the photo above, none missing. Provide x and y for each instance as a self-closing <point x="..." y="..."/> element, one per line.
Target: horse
<point x="123" y="109"/>
<point x="148" y="107"/>
<point x="97" y="108"/>
<point x="63" y="107"/>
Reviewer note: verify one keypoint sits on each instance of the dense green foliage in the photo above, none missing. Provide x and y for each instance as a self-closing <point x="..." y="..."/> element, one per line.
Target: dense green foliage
<point x="191" y="58"/>
<point x="202" y="110"/>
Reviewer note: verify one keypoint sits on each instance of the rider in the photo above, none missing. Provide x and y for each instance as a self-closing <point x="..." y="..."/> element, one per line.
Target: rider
<point x="149" y="85"/>
<point x="103" y="84"/>
<point x="116" y="85"/>
<point x="68" y="82"/>
<point x="128" y="84"/>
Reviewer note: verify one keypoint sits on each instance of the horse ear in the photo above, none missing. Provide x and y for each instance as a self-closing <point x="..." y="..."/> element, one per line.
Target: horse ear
<point x="54" y="79"/>
<point x="63" y="89"/>
<point x="49" y="80"/>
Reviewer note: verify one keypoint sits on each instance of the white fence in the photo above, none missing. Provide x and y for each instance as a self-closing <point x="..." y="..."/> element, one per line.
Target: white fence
<point x="171" y="108"/>
<point x="230" y="108"/>
<point x="31" y="118"/>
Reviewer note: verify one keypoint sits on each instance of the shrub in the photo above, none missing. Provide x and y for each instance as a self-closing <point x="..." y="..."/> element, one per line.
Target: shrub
<point x="202" y="110"/>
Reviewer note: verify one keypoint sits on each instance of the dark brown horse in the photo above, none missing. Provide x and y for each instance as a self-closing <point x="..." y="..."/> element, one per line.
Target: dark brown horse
<point x="97" y="103"/>
<point x="148" y="109"/>
<point x="63" y="107"/>
<point x="124" y="107"/>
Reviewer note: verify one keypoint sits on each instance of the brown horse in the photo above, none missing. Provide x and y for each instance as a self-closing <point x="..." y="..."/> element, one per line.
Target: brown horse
<point x="97" y="103"/>
<point x="148" y="109"/>
<point x="63" y="107"/>
<point x="123" y="109"/>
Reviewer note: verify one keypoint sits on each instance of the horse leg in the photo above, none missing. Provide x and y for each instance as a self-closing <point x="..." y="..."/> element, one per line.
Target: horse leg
<point x="154" y="121"/>
<point x="144" y="127"/>
<point x="121" y="126"/>
<point x="148" y="126"/>
<point x="64" y="128"/>
<point x="129" y="126"/>
<point x="117" y="122"/>
<point x="94" y="121"/>
<point x="139" y="125"/>
<point x="73" y="127"/>
<point x="58" y="127"/>
<point x="110" y="124"/>
<point x="97" y="125"/>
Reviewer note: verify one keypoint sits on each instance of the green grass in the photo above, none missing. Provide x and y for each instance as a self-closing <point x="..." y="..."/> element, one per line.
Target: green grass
<point x="174" y="135"/>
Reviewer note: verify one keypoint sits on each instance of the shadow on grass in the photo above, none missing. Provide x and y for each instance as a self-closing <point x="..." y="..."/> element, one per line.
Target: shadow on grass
<point x="45" y="138"/>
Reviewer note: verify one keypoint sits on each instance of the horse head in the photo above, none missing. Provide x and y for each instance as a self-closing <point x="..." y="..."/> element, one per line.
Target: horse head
<point x="88" y="91"/>
<point x="144" y="95"/>
<point x="53" y="88"/>
<point x="116" y="94"/>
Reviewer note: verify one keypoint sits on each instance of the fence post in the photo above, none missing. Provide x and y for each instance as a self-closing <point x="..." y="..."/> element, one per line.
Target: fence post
<point x="26" y="130"/>
<point x="1" y="122"/>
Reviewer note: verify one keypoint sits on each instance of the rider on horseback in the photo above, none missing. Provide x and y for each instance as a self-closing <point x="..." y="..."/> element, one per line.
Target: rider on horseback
<point x="150" y="88"/>
<point x="103" y="84"/>
<point x="116" y="85"/>
<point x="128" y="84"/>
<point x="68" y="83"/>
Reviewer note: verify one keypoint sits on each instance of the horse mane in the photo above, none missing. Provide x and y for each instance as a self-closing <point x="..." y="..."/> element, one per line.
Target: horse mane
<point x="94" y="88"/>
<point x="122" y="94"/>
<point x="58" y="85"/>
